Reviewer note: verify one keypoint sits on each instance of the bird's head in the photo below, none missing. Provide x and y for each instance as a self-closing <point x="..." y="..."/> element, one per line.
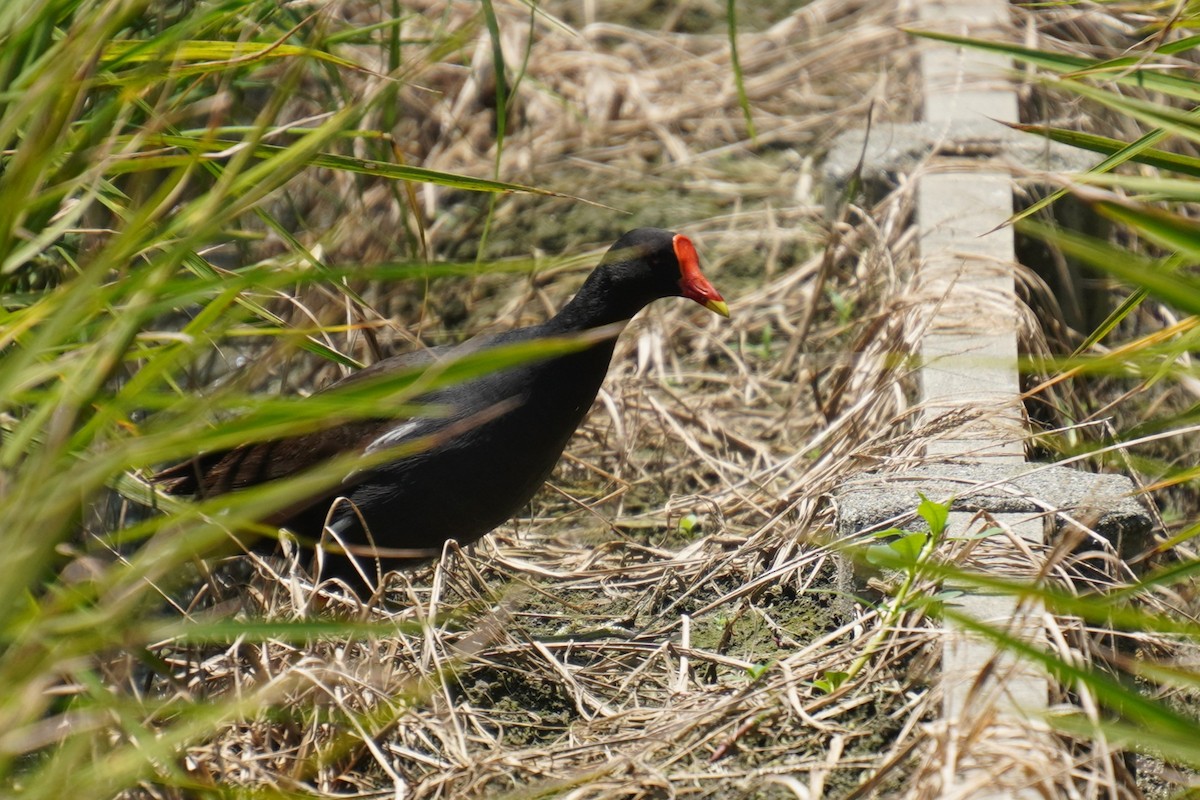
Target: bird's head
<point x="648" y="263"/>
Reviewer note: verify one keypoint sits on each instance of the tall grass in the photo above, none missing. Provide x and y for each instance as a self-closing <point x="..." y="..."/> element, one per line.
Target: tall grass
<point x="137" y="140"/>
<point x="1145" y="136"/>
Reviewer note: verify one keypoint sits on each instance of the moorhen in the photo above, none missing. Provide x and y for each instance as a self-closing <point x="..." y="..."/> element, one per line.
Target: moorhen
<point x="475" y="476"/>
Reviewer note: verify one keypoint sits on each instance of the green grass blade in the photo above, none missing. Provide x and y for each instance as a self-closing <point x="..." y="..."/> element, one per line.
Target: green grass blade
<point x="1150" y="188"/>
<point x="222" y="148"/>
<point x="1173" y="120"/>
<point x="1123" y="71"/>
<point x="500" y="74"/>
<point x="1150" y="274"/>
<point x="215" y="56"/>
<point x="1165" y="228"/>
<point x="738" y="76"/>
<point x="1162" y="159"/>
<point x="1116" y="694"/>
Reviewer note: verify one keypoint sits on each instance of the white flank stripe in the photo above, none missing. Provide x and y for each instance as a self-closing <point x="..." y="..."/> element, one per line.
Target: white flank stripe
<point x="394" y="436"/>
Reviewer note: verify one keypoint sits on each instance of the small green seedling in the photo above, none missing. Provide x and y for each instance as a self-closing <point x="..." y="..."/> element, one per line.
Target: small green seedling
<point x="831" y="682"/>
<point x="901" y="550"/>
<point x="756" y="671"/>
<point x="907" y="552"/>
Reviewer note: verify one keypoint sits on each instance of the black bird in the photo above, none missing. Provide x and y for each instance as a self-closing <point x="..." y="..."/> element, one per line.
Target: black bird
<point x="500" y="439"/>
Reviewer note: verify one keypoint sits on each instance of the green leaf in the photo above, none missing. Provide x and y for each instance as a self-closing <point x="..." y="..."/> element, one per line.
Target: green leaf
<point x="216" y="56"/>
<point x="1164" y="228"/>
<point x="1148" y="188"/>
<point x="300" y="631"/>
<point x="1172" y="120"/>
<point x="221" y="149"/>
<point x="687" y="524"/>
<point x="832" y="681"/>
<point x="738" y="78"/>
<point x="1127" y="153"/>
<point x="934" y="514"/>
<point x="1123" y="71"/>
<point x="1120" y="70"/>
<point x="1162" y="159"/>
<point x="1119" y="696"/>
<point x="756" y="671"/>
<point x="903" y="552"/>
<point x="1152" y="275"/>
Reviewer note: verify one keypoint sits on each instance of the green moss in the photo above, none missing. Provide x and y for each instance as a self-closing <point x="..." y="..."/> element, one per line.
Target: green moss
<point x="532" y="711"/>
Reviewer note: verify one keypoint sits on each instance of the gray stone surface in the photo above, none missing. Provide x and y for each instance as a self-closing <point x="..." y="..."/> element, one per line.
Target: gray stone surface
<point x="1102" y="501"/>
<point x="969" y="350"/>
<point x="1010" y="683"/>
<point x="894" y="149"/>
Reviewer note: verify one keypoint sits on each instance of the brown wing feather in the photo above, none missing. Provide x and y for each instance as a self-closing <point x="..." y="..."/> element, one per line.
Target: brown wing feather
<point x="222" y="471"/>
<point x="225" y="470"/>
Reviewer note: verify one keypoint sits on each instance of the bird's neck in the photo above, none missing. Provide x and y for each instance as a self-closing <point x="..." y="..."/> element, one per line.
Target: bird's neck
<point x="597" y="303"/>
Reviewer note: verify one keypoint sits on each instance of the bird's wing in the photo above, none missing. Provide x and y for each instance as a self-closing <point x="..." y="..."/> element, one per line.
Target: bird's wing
<point x="218" y="472"/>
<point x="209" y="474"/>
<point x="222" y="471"/>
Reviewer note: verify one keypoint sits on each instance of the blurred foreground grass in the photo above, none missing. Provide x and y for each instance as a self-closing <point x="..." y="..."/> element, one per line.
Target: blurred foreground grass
<point x="137" y="138"/>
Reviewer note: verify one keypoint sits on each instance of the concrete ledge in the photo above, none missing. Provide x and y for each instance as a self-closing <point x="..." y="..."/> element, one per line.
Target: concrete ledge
<point x="1102" y="502"/>
<point x="890" y="150"/>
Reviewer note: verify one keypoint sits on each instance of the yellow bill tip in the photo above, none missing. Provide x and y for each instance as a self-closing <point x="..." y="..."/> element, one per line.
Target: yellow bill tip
<point x="718" y="307"/>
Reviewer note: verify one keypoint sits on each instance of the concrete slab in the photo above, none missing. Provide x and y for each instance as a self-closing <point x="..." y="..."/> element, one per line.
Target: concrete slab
<point x="1105" y="503"/>
<point x="963" y="162"/>
<point x="959" y="82"/>
<point x="1008" y="685"/>
<point x="891" y="150"/>
<point x="969" y="352"/>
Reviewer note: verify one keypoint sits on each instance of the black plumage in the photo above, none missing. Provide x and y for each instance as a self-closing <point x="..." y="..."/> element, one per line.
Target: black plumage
<point x="500" y="439"/>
